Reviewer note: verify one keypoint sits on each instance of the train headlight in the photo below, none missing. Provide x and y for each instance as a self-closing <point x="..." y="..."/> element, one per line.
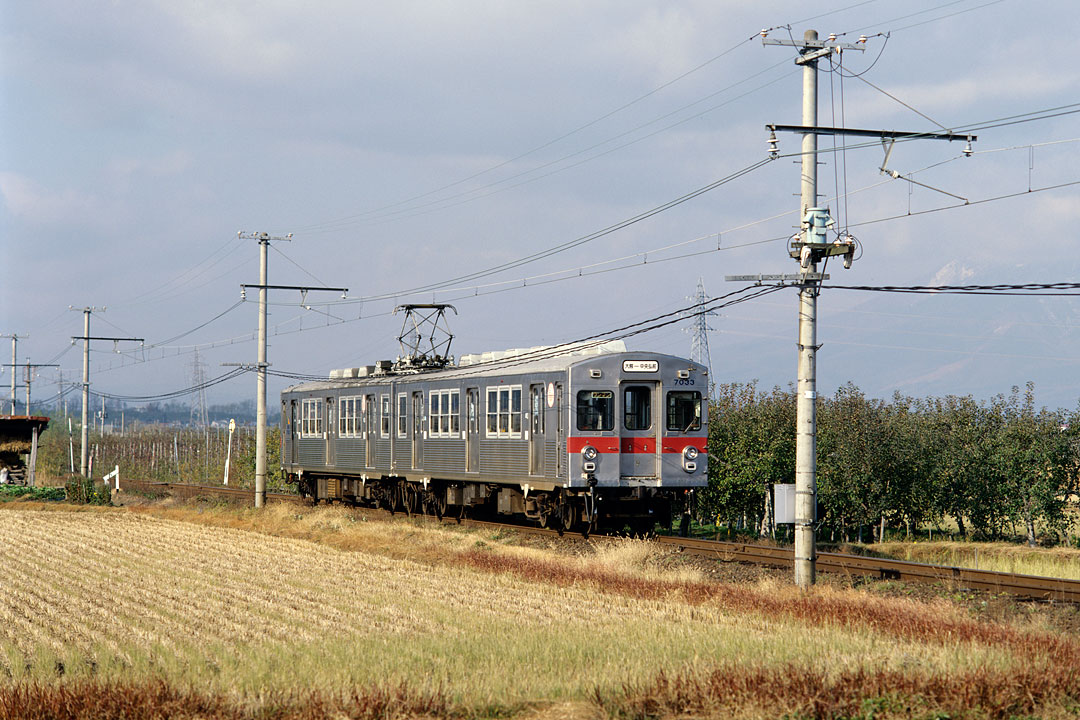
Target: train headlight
<point x="689" y="458"/>
<point x="588" y="460"/>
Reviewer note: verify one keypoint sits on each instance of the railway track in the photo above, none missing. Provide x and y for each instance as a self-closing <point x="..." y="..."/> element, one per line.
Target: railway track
<point x="1024" y="586"/>
<point x="1031" y="587"/>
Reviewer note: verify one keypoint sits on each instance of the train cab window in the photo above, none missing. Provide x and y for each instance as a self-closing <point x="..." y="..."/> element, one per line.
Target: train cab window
<point x="402" y="415"/>
<point x="596" y="410"/>
<point x="637" y="407"/>
<point x="384" y="420"/>
<point x="683" y="410"/>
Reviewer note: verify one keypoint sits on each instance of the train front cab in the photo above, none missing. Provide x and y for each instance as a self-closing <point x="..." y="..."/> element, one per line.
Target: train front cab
<point x="638" y="433"/>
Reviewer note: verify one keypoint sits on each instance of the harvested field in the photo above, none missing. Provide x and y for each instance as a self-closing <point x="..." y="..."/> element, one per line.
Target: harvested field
<point x="231" y="613"/>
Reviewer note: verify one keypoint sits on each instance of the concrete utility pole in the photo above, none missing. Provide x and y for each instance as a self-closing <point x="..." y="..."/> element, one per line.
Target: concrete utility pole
<point x="806" y="407"/>
<point x="260" y="385"/>
<point x="14" y="344"/>
<point x="86" y="337"/>
<point x="30" y="367"/>
<point x="810" y="246"/>
<point x="260" y="367"/>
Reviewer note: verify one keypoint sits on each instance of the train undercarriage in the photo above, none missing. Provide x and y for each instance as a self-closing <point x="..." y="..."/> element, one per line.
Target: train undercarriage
<point x="631" y="510"/>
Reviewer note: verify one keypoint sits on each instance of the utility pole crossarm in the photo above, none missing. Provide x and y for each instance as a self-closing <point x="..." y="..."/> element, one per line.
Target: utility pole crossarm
<point x="813" y="49"/>
<point x="114" y="339"/>
<point x="883" y="134"/>
<point x="304" y="288"/>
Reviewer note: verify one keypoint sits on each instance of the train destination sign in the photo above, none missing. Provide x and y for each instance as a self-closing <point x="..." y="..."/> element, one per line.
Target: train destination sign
<point x="640" y="366"/>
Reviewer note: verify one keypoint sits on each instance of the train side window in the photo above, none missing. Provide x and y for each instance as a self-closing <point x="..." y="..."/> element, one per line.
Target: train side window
<point x="455" y="412"/>
<point x="311" y="418"/>
<point x="504" y="412"/>
<point x="402" y="415"/>
<point x="492" y="412"/>
<point x="637" y="407"/>
<point x="596" y="410"/>
<point x="350" y="416"/>
<point x="515" y="411"/>
<point x="445" y="411"/>
<point x="683" y="410"/>
<point x="384" y="423"/>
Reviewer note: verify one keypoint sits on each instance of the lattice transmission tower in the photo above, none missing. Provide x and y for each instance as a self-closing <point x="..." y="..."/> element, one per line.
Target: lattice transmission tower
<point x="699" y="330"/>
<point x="199" y="415"/>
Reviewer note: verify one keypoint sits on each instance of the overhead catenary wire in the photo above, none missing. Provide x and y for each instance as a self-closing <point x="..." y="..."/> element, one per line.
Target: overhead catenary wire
<point x="682" y="314"/>
<point x="476" y="291"/>
<point x="502" y="185"/>
<point x="542" y="146"/>
<point x="231" y="374"/>
<point x="576" y="242"/>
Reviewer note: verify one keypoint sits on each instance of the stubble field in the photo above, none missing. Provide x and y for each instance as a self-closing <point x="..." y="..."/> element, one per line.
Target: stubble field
<point x="305" y="613"/>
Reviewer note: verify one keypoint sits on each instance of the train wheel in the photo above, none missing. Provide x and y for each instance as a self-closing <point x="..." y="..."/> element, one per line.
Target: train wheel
<point x="566" y="514"/>
<point x="435" y="503"/>
<point x="410" y="499"/>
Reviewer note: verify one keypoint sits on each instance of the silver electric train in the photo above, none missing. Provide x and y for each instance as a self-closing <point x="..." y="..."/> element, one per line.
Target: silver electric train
<point x="574" y="441"/>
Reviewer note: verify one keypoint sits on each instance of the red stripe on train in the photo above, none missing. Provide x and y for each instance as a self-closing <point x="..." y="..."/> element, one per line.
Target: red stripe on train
<point x="634" y="444"/>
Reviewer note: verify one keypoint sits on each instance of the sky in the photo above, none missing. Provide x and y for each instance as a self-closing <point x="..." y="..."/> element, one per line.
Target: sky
<point x="411" y="144"/>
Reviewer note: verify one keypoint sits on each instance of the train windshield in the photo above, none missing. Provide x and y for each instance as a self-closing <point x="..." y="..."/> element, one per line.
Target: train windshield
<point x="596" y="410"/>
<point x="683" y="410"/>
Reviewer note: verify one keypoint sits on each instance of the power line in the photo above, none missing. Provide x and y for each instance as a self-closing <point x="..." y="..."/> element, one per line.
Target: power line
<point x="462" y="197"/>
<point x="235" y="372"/>
<point x="619" y="333"/>
<point x="1055" y="289"/>
<point x="562" y="247"/>
<point x="537" y="148"/>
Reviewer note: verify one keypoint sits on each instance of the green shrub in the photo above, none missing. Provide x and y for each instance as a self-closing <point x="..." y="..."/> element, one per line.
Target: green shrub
<point x="30" y="493"/>
<point x="84" y="491"/>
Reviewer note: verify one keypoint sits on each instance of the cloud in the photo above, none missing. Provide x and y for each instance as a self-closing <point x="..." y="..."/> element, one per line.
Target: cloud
<point x="35" y="205"/>
<point x="953" y="273"/>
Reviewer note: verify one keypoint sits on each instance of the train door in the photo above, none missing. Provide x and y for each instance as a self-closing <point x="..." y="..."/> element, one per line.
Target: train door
<point x="417" y="430"/>
<point x="537" y="427"/>
<point x="472" y="430"/>
<point x="330" y="433"/>
<point x="639" y="432"/>
<point x="560" y="433"/>
<point x="371" y="429"/>
<point x="293" y="432"/>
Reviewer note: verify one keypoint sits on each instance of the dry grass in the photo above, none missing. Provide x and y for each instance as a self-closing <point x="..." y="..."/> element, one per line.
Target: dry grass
<point x="236" y="602"/>
<point x="755" y="692"/>
<point x="1060" y="562"/>
<point x="108" y="701"/>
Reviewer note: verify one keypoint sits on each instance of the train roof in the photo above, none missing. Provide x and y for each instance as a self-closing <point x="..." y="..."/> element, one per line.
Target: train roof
<point x="509" y="364"/>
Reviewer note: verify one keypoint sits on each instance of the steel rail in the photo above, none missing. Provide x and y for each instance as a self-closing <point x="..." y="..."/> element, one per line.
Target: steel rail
<point x="1028" y="586"/>
<point x="1032" y="587"/>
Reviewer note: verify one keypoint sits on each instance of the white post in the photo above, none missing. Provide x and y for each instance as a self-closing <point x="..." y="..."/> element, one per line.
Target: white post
<point x="71" y="446"/>
<point x="33" y="456"/>
<point x="228" y="452"/>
